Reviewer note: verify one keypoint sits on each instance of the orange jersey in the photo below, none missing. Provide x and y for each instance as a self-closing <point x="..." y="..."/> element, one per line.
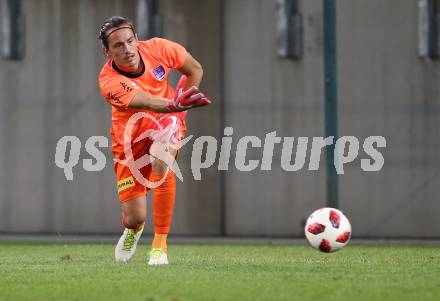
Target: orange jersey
<point x="118" y="89"/>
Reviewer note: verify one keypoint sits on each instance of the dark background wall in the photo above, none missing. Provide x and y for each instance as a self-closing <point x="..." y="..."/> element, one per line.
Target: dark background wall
<point x="384" y="89"/>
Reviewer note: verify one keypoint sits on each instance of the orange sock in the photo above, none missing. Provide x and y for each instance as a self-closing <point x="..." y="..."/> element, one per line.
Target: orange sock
<point x="160" y="242"/>
<point x="163" y="206"/>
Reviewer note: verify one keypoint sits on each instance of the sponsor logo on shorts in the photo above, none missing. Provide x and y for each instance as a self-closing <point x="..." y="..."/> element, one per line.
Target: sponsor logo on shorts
<point x="159" y="72"/>
<point x="125" y="184"/>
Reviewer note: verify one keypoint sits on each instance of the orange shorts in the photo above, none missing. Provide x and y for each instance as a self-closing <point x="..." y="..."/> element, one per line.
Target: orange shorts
<point x="127" y="185"/>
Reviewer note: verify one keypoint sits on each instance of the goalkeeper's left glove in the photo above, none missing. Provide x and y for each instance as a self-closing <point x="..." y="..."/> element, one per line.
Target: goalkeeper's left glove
<point x="185" y="100"/>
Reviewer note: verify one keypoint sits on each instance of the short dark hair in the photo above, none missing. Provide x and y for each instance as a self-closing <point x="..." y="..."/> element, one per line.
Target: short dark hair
<point x="110" y="23"/>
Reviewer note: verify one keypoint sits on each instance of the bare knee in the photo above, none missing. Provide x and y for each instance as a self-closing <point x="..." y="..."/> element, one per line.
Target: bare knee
<point x="134" y="221"/>
<point x="134" y="213"/>
<point x="159" y="167"/>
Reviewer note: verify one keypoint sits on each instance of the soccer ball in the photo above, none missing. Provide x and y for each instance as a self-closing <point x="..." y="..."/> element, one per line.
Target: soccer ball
<point x="328" y="230"/>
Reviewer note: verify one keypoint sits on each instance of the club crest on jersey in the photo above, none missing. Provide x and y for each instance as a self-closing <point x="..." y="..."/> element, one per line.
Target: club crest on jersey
<point x="159" y="72"/>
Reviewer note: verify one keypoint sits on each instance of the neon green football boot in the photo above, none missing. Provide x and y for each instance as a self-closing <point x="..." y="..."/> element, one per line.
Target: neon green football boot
<point x="158" y="257"/>
<point x="127" y="245"/>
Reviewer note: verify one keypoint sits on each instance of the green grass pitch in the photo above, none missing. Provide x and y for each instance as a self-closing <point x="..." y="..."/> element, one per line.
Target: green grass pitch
<point x="55" y="271"/>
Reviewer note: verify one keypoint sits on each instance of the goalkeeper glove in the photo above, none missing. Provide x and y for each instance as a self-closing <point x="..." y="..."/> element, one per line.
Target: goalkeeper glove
<point x="185" y="100"/>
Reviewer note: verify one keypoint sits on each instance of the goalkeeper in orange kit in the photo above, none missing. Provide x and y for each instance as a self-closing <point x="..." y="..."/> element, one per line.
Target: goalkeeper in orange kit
<point x="132" y="81"/>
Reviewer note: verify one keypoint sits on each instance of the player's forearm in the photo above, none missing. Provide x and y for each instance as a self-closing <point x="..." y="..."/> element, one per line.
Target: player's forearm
<point x="145" y="101"/>
<point x="185" y="100"/>
<point x="193" y="70"/>
<point x="195" y="78"/>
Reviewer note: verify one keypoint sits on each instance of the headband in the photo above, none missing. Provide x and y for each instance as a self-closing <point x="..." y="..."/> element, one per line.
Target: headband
<point x="106" y="37"/>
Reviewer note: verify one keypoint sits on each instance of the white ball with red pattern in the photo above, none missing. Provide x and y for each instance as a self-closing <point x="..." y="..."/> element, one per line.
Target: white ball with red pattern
<point x="328" y="230"/>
